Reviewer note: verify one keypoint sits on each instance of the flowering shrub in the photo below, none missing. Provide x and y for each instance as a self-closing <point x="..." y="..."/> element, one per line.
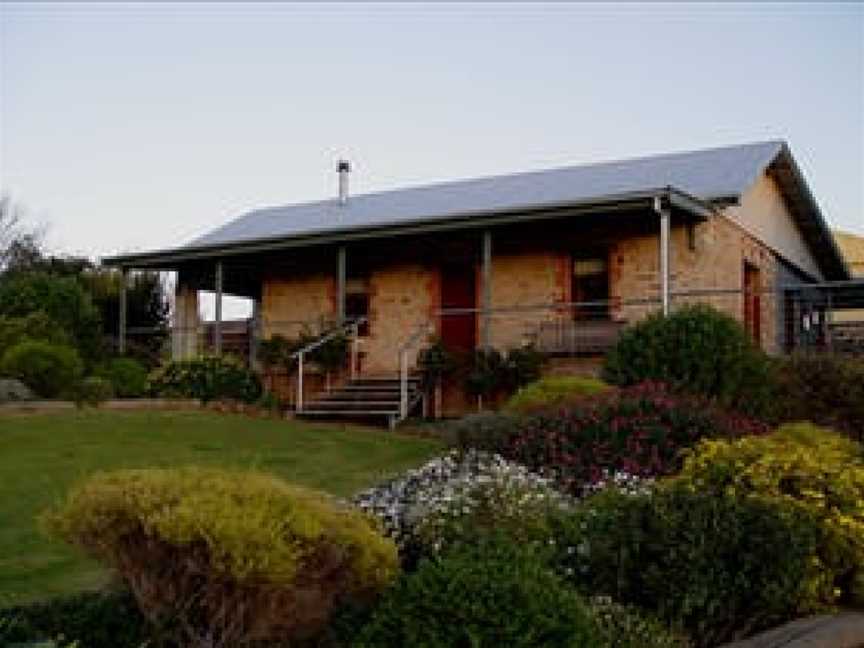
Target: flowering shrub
<point x="639" y="430"/>
<point x="228" y="557"/>
<point x="206" y="378"/>
<point x="401" y="504"/>
<point x="552" y="392"/>
<point x="719" y="566"/>
<point x="626" y="626"/>
<point x="804" y="468"/>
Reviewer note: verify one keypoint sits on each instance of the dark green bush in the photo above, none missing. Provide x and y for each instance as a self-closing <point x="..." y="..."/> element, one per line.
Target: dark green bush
<point x="435" y="362"/>
<point x="35" y="326"/>
<point x="207" y="378"/>
<point x="827" y="390"/>
<point x="696" y="349"/>
<point x="92" y="391"/>
<point x="491" y="595"/>
<point x="719" y="566"/>
<point x="522" y="365"/>
<point x="483" y="431"/>
<point x="484" y="373"/>
<point x="108" y="619"/>
<point x="48" y="369"/>
<point x="127" y="376"/>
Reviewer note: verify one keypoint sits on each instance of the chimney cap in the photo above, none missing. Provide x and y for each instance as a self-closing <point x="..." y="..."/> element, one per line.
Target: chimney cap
<point x="343" y="166"/>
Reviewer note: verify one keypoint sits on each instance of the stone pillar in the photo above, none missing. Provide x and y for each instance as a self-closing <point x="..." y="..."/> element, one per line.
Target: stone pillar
<point x="187" y="323"/>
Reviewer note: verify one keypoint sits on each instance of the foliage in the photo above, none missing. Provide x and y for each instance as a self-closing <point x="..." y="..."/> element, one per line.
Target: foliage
<point x="278" y="351"/>
<point x="509" y="501"/>
<point x="206" y="378"/>
<point x="721" y="567"/>
<point x="401" y="503"/>
<point x="522" y="366"/>
<point x="62" y="299"/>
<point x="493" y="595"/>
<point x="435" y="362"/>
<point x="639" y="430"/>
<point x="484" y="373"/>
<point x="554" y="391"/>
<point x="34" y="326"/>
<point x="489" y="431"/>
<point x="226" y="556"/>
<point x="102" y="619"/>
<point x="48" y="369"/>
<point x="825" y="389"/>
<point x="626" y="626"/>
<point x="696" y="349"/>
<point x="92" y="391"/>
<point x="127" y="376"/>
<point x="806" y="468"/>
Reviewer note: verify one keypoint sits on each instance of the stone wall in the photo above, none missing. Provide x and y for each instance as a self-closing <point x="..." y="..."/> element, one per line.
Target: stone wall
<point x="288" y="303"/>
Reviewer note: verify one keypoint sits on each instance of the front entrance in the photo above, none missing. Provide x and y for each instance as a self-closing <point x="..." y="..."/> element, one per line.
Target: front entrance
<point x="459" y="291"/>
<point x="752" y="302"/>
<point x="590" y="285"/>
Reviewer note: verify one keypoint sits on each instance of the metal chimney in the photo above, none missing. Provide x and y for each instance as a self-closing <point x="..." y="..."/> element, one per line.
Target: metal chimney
<point x="343" y="168"/>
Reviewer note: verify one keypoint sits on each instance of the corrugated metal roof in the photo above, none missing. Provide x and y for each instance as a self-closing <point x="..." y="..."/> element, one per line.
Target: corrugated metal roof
<point x="708" y="174"/>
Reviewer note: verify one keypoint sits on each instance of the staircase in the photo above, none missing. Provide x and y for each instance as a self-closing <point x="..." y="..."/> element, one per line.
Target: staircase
<point x="364" y="399"/>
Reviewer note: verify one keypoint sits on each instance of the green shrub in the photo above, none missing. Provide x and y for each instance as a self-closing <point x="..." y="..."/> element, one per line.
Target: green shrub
<point x="554" y="391"/>
<point x="484" y="373"/>
<point x="48" y="369"/>
<point x="207" y="378"/>
<point x="696" y="349"/>
<point x="718" y="566"/>
<point x="522" y="366"/>
<point x="228" y="554"/>
<point x="626" y="626"/>
<point x="108" y="619"/>
<point x="435" y="362"/>
<point x="827" y="390"/>
<point x="482" y="431"/>
<point x="92" y="391"/>
<point x="127" y="376"/>
<point x="803" y="467"/>
<point x="491" y="595"/>
<point x="35" y="326"/>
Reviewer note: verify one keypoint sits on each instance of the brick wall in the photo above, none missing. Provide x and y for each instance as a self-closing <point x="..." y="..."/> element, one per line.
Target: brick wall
<point x="287" y="302"/>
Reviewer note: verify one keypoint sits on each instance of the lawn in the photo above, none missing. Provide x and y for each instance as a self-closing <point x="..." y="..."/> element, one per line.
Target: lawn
<point x="41" y="455"/>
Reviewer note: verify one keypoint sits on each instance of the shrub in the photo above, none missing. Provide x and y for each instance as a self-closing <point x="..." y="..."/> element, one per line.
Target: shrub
<point x="806" y="468"/>
<point x="206" y="378"/>
<point x="639" y="430"/>
<point x="489" y="431"/>
<point x="509" y="501"/>
<point x="554" y="391"/>
<point x="35" y="326"/>
<point x="522" y="365"/>
<point x="719" y="566"/>
<point x="401" y="504"/>
<point x="696" y="349"/>
<point x="493" y="595"/>
<point x="827" y="390"/>
<point x="92" y="391"/>
<point x="48" y="369"/>
<point x="484" y="373"/>
<point x="435" y="362"/>
<point x="626" y="626"/>
<point x="228" y="557"/>
<point x="107" y="619"/>
<point x="127" y="376"/>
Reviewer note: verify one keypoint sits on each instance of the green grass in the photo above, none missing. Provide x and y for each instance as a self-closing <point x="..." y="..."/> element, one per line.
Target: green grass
<point x="42" y="455"/>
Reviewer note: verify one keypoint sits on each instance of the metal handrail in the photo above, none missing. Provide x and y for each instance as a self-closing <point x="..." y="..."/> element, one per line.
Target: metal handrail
<point x="352" y="325"/>
<point x="421" y="329"/>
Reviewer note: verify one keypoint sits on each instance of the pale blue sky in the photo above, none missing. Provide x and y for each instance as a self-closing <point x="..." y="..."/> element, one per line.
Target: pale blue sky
<point x="128" y="127"/>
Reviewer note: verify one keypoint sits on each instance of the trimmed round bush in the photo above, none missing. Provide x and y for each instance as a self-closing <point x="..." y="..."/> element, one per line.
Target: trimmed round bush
<point x="719" y="566"/>
<point x="207" y="378"/>
<point x="554" y="391"/>
<point x="127" y="376"/>
<point x="48" y="369"/>
<point x="232" y="555"/>
<point x="806" y="468"/>
<point x="489" y="431"/>
<point x="492" y="595"/>
<point x="696" y="349"/>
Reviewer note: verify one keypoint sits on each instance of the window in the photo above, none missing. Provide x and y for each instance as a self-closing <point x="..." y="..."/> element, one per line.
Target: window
<point x="357" y="300"/>
<point x="590" y="286"/>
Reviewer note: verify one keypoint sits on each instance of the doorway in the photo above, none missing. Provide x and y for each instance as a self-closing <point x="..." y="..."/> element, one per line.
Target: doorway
<point x="590" y="285"/>
<point x="752" y="301"/>
<point x="459" y="291"/>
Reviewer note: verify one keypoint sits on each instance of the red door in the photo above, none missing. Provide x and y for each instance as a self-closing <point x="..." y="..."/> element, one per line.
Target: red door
<point x="752" y="303"/>
<point x="458" y="291"/>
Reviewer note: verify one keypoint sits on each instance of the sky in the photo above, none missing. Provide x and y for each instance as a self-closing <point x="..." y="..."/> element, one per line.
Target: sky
<point x="127" y="127"/>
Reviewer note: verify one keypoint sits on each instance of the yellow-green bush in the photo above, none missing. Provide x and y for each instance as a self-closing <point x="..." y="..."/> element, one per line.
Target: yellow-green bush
<point x="243" y="555"/>
<point x="553" y="391"/>
<point x="805" y="467"/>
